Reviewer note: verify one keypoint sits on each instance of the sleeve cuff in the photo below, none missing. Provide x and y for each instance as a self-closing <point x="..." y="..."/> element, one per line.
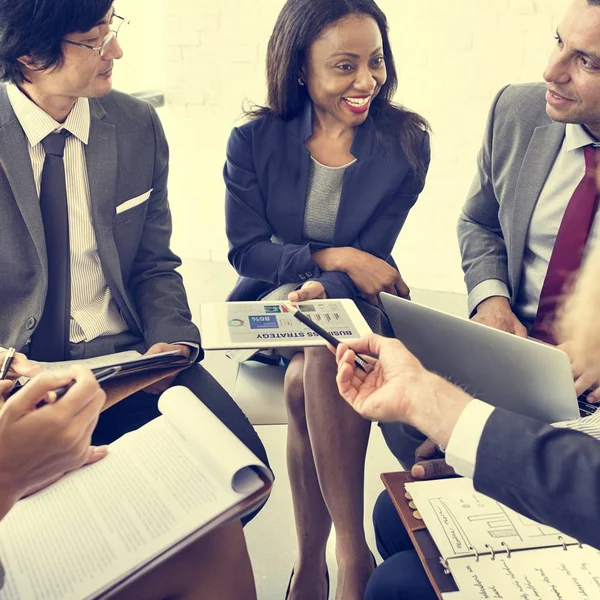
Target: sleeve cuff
<point x="194" y="349"/>
<point x="484" y="290"/>
<point x="461" y="452"/>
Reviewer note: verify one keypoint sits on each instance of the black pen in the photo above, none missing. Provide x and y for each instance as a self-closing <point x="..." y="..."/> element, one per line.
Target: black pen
<point x="10" y="354"/>
<point x="360" y="361"/>
<point x="100" y="375"/>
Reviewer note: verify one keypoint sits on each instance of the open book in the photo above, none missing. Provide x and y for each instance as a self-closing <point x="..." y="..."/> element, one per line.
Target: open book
<point x="494" y="552"/>
<point x="160" y="488"/>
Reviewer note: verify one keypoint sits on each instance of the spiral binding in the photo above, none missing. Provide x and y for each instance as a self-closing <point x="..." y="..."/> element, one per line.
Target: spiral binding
<point x="493" y="553"/>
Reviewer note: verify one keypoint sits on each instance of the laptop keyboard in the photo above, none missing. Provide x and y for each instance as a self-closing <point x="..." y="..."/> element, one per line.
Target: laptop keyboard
<point x="585" y="408"/>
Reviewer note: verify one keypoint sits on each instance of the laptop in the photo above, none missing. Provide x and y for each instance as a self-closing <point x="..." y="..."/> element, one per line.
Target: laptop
<point x="514" y="373"/>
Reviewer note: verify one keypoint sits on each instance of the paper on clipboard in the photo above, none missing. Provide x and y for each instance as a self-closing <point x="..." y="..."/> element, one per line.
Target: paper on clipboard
<point x="229" y="325"/>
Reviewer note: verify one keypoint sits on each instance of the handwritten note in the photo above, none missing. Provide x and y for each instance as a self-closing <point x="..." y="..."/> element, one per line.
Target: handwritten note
<point x="461" y="519"/>
<point x="543" y="574"/>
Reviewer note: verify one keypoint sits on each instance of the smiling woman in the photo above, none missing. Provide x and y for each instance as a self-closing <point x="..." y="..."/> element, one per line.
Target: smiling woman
<point x="319" y="184"/>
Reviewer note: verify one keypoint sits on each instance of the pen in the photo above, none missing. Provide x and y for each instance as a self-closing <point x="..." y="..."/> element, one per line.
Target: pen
<point x="101" y="375"/>
<point x="10" y="354"/>
<point x="360" y="362"/>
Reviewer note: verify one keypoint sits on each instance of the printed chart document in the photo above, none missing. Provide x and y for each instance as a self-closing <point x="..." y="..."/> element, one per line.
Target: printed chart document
<point x="494" y="552"/>
<point x="160" y="488"/>
<point x="229" y="325"/>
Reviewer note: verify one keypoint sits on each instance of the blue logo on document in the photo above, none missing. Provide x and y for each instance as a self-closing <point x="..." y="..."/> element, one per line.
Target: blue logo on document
<point x="263" y="322"/>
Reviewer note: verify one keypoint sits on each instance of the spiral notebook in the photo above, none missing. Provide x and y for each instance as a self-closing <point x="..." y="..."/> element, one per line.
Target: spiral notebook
<point x="490" y="550"/>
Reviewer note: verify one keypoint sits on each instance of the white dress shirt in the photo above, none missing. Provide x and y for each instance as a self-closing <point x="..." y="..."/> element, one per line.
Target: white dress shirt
<point x="566" y="173"/>
<point x="461" y="451"/>
<point x="94" y="312"/>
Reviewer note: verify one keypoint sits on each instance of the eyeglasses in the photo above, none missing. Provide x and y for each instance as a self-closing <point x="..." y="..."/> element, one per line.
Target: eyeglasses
<point x="102" y="49"/>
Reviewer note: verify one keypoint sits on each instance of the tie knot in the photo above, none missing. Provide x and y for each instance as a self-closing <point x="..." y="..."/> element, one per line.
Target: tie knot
<point x="54" y="143"/>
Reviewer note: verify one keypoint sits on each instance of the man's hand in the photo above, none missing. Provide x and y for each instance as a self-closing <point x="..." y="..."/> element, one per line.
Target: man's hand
<point x="431" y="462"/>
<point x="584" y="379"/>
<point x="311" y="290"/>
<point x="38" y="446"/>
<point x="21" y="366"/>
<point x="160" y="386"/>
<point x="496" y="312"/>
<point x="398" y="388"/>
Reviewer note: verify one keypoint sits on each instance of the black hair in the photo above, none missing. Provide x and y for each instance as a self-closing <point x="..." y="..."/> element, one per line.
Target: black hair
<point x="299" y="25"/>
<point x="35" y="28"/>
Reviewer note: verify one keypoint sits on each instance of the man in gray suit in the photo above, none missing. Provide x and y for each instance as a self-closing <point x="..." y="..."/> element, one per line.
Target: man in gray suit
<point x="517" y="230"/>
<point x="85" y="263"/>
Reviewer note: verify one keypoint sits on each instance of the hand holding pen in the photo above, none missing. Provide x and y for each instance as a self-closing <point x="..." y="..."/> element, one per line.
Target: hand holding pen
<point x="15" y="364"/>
<point x="362" y="362"/>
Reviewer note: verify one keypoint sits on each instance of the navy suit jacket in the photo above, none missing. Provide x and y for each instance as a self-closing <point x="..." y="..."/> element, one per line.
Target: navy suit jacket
<point x="266" y="175"/>
<point x="549" y="474"/>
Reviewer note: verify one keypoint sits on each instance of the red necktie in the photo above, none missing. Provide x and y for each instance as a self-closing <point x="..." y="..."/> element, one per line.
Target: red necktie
<point x="568" y="248"/>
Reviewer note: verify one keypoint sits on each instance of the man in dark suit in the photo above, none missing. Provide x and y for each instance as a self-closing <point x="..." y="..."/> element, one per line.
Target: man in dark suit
<point x="85" y="263"/>
<point x="547" y="473"/>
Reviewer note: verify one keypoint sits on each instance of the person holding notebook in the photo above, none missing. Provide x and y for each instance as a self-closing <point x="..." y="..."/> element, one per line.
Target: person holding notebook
<point x="545" y="472"/>
<point x="85" y="263"/>
<point x="37" y="447"/>
<point x="319" y="184"/>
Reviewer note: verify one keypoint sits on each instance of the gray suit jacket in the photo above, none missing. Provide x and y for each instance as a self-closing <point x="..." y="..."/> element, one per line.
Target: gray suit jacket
<point x="549" y="474"/>
<point x="519" y="149"/>
<point x="127" y="155"/>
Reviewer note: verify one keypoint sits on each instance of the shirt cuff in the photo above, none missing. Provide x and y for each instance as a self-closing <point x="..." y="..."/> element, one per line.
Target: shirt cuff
<point x="195" y="349"/>
<point x="461" y="451"/>
<point x="484" y="290"/>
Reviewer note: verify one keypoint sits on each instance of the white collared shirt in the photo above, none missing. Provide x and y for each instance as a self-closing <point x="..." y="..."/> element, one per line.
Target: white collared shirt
<point x="461" y="451"/>
<point x="566" y="173"/>
<point x="94" y="312"/>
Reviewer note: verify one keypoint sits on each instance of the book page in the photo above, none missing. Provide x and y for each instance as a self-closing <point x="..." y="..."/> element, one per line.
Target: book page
<point x="459" y="519"/>
<point x="230" y="325"/>
<point x="104" y="521"/>
<point x="106" y="360"/>
<point x="234" y="461"/>
<point x="545" y="574"/>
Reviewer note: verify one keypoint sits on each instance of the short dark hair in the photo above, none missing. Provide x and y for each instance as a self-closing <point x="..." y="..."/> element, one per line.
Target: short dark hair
<point x="36" y="28"/>
<point x="299" y="25"/>
<point x="594" y="2"/>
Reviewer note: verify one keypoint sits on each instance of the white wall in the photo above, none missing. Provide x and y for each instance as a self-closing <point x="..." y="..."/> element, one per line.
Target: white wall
<point x="452" y="57"/>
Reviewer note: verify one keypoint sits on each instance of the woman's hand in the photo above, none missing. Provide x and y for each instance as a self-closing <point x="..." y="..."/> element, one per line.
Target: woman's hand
<point x="371" y="275"/>
<point x="311" y="290"/>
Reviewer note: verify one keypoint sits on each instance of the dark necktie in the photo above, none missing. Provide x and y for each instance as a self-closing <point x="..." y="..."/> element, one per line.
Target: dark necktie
<point x="568" y="248"/>
<point x="51" y="337"/>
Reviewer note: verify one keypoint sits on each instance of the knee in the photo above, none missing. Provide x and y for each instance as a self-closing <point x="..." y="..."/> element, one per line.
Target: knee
<point x="293" y="387"/>
<point x="319" y="360"/>
<point x="390" y="534"/>
<point x="401" y="577"/>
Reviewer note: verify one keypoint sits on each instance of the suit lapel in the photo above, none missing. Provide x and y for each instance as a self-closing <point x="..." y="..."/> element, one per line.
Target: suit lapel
<point x="101" y="160"/>
<point x="16" y="164"/>
<point x="541" y="153"/>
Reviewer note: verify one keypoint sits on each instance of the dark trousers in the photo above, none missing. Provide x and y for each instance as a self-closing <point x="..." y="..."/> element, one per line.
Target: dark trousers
<point x="401" y="576"/>
<point x="140" y="408"/>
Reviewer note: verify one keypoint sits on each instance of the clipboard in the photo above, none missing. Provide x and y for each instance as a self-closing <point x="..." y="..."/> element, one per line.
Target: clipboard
<point x="423" y="543"/>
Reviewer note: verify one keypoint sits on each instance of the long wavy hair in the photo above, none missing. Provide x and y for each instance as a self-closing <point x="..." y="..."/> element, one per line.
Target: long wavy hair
<point x="299" y="24"/>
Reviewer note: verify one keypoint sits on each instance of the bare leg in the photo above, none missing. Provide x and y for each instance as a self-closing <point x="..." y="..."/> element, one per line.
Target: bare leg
<point x="339" y="438"/>
<point x="313" y="523"/>
<point x="215" y="566"/>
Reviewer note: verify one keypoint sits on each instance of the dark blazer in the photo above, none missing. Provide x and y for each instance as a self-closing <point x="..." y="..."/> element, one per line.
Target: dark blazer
<point x="127" y="158"/>
<point x="549" y="474"/>
<point x="266" y="175"/>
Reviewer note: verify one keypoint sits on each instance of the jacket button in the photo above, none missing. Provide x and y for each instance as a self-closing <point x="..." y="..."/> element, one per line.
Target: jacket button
<point x="30" y="323"/>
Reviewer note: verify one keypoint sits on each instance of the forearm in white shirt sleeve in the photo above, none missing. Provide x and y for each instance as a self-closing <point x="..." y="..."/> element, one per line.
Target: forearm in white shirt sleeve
<point x="461" y="451"/>
<point x="589" y="425"/>
<point x="484" y="290"/>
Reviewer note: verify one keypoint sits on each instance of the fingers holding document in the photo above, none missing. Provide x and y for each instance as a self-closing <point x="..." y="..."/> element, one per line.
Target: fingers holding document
<point x="39" y="445"/>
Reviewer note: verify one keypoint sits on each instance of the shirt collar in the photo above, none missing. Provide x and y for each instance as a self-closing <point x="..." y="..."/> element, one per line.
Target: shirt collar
<point x="37" y="124"/>
<point x="577" y="137"/>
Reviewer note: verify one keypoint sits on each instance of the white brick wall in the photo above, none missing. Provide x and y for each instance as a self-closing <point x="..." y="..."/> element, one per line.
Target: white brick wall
<point x="452" y="57"/>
